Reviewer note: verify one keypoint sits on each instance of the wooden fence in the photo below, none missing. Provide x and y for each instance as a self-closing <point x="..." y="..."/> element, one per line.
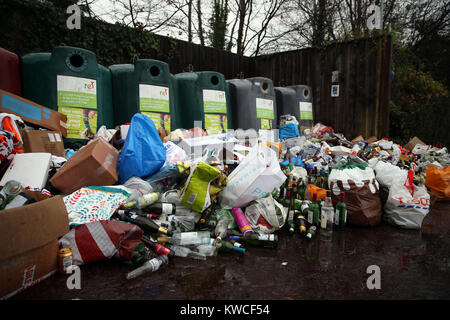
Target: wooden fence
<point x="364" y="79"/>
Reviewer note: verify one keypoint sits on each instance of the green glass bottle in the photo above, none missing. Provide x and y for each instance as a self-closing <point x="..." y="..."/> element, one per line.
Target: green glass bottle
<point x="314" y="211"/>
<point x="301" y="189"/>
<point x="228" y="247"/>
<point x="291" y="210"/>
<point x="258" y="240"/>
<point x="340" y="216"/>
<point x="311" y="232"/>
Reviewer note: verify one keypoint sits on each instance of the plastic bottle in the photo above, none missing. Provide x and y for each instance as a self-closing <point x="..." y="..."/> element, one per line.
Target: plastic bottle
<point x="242" y="221"/>
<point x="181" y="223"/>
<point x="11" y="189"/>
<point x="150" y="266"/>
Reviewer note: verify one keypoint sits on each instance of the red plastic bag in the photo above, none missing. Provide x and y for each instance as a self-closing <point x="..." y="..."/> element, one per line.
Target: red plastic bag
<point x="101" y="240"/>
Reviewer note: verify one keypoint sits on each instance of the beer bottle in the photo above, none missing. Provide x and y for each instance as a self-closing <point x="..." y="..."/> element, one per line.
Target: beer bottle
<point x="157" y="248"/>
<point x="258" y="240"/>
<point x="228" y="247"/>
<point x="145" y="224"/>
<point x="340" y="217"/>
<point x="150" y="266"/>
<point x="300" y="222"/>
<point x="311" y="232"/>
<point x="291" y="210"/>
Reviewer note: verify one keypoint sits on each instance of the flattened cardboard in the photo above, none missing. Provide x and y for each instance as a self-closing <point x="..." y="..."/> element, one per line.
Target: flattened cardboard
<point x="93" y="165"/>
<point x="32" y="112"/>
<point x="43" y="141"/>
<point x="29" y="235"/>
<point x="413" y="142"/>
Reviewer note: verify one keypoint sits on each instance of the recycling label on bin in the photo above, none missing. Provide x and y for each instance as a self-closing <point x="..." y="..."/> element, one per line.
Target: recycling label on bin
<point x="306" y="112"/>
<point x="77" y="99"/>
<point x="161" y="120"/>
<point x="154" y="98"/>
<point x="264" y="108"/>
<point x="76" y="92"/>
<point x="80" y="122"/>
<point x="216" y="123"/>
<point x="214" y="101"/>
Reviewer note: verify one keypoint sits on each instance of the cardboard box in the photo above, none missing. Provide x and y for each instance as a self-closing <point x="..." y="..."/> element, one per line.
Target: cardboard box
<point x="43" y="141"/>
<point x="32" y="112"/>
<point x="92" y="165"/>
<point x="29" y="235"/>
<point x="413" y="142"/>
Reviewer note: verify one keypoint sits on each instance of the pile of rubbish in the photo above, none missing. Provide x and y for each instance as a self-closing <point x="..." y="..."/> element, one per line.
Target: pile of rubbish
<point x="130" y="195"/>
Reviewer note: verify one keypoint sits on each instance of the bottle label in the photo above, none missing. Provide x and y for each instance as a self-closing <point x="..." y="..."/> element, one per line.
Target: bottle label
<point x="336" y="217"/>
<point x="323" y="220"/>
<point x="161" y="250"/>
<point x="266" y="237"/>
<point x="155" y="264"/>
<point x="310" y="216"/>
<point x="166" y="208"/>
<point x="188" y="237"/>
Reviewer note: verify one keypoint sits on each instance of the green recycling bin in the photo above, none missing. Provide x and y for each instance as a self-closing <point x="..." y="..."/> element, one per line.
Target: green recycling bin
<point x="70" y="81"/>
<point x="204" y="96"/>
<point x="147" y="87"/>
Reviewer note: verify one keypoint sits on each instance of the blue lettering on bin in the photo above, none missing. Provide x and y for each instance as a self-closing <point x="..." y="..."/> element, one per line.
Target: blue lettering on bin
<point x="20" y="107"/>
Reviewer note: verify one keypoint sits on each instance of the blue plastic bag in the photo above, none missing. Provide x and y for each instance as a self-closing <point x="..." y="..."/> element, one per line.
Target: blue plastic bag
<point x="143" y="152"/>
<point x="296" y="161"/>
<point x="289" y="131"/>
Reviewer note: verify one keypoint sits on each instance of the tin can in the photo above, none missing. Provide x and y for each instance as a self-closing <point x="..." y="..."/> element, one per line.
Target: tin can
<point x="65" y="260"/>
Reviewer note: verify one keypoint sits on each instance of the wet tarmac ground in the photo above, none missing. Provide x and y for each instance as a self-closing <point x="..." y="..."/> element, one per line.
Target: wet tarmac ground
<point x="413" y="264"/>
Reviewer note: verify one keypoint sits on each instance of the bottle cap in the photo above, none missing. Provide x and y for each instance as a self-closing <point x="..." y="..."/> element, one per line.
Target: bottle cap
<point x="234" y="238"/>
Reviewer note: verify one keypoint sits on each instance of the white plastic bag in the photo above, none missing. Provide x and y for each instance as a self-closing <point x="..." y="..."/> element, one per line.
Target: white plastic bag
<point x="387" y="173"/>
<point x="254" y="178"/>
<point x="173" y="153"/>
<point x="266" y="208"/>
<point x="407" y="205"/>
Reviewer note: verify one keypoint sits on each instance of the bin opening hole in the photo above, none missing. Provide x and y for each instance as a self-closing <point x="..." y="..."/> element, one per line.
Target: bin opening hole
<point x="305" y="93"/>
<point x="154" y="71"/>
<point x="265" y="86"/>
<point x="215" y="80"/>
<point x="76" y="60"/>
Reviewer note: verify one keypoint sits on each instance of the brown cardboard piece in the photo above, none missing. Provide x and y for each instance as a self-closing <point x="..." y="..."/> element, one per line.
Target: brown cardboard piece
<point x="357" y="139"/>
<point x="413" y="142"/>
<point x="32" y="112"/>
<point x="93" y="165"/>
<point x="29" y="236"/>
<point x="43" y="141"/>
<point x="372" y="139"/>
